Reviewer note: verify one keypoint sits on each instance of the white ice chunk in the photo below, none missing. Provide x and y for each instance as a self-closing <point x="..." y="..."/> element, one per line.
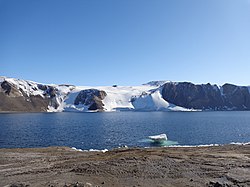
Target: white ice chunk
<point x="158" y="138"/>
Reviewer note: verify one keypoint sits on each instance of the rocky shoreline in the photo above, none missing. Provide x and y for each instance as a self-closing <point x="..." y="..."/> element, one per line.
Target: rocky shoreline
<point x="227" y="165"/>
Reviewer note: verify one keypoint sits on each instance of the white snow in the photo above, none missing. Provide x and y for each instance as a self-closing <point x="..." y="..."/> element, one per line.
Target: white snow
<point x="143" y="98"/>
<point x="75" y="149"/>
<point x="146" y="97"/>
<point x="211" y="145"/>
<point x="156" y="83"/>
<point x="2" y="78"/>
<point x="152" y="101"/>
<point x="28" y="87"/>
<point x="119" y="98"/>
<point x="240" y="143"/>
<point x="97" y="150"/>
<point x="62" y="93"/>
<point x="90" y="150"/>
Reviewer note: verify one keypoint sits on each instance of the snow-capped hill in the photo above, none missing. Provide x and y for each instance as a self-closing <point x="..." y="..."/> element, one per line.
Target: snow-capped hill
<point x="117" y="98"/>
<point x="58" y="98"/>
<point x="86" y="100"/>
<point x="29" y="88"/>
<point x="29" y="96"/>
<point x="156" y="83"/>
<point x="22" y="95"/>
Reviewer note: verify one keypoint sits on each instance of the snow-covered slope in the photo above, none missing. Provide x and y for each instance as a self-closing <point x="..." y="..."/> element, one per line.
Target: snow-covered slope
<point x="60" y="98"/>
<point x="16" y="89"/>
<point x="124" y="98"/>
<point x="29" y="96"/>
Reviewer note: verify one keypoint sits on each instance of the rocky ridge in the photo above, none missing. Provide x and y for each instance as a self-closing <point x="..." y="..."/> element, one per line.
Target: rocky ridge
<point x="27" y="96"/>
<point x="207" y="96"/>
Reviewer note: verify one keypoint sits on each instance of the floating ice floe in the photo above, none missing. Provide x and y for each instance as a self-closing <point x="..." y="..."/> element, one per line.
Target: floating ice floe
<point x="158" y="138"/>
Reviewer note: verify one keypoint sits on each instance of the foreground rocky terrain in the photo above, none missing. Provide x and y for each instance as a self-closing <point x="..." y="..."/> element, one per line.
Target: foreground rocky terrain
<point x="191" y="166"/>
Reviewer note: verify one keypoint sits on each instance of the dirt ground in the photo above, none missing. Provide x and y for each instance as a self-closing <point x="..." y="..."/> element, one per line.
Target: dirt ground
<point x="172" y="166"/>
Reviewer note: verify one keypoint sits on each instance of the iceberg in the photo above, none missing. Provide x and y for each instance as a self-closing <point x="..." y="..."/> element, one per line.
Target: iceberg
<point x="158" y="138"/>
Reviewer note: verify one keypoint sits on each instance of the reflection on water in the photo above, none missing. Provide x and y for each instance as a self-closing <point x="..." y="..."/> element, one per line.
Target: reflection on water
<point x="163" y="143"/>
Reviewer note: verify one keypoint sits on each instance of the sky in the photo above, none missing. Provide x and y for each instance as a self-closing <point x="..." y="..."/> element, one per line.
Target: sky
<point x="125" y="42"/>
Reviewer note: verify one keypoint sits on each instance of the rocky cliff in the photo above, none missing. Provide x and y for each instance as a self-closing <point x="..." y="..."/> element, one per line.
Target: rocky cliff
<point x="207" y="96"/>
<point x="15" y="99"/>
<point x="27" y="96"/>
<point x="91" y="98"/>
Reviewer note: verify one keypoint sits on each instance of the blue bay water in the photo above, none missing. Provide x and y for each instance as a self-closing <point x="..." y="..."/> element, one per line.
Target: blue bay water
<point x="114" y="129"/>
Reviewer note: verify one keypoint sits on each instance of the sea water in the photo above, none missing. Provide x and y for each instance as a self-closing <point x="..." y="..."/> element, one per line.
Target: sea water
<point x="116" y="129"/>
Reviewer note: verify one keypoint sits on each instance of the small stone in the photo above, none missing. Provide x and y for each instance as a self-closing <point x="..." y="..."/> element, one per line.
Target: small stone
<point x="215" y="184"/>
<point x="88" y="184"/>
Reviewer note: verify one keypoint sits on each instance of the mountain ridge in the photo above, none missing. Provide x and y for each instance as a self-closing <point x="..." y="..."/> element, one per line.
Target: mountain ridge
<point x="18" y="95"/>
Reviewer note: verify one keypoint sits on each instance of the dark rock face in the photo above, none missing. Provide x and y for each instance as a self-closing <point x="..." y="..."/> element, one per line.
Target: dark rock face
<point x="192" y="96"/>
<point x="51" y="91"/>
<point x="6" y="87"/>
<point x="92" y="98"/>
<point x="207" y="96"/>
<point x="42" y="87"/>
<point x="236" y="97"/>
<point x="13" y="98"/>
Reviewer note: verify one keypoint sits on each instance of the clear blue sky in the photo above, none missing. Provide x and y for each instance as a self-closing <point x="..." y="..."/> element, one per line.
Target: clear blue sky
<point x="125" y="42"/>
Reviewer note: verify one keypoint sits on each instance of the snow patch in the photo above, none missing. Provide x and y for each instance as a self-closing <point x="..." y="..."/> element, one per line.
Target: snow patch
<point x="75" y="149"/>
<point x="2" y="78"/>
<point x="240" y="143"/>
<point x="90" y="150"/>
<point x="156" y="83"/>
<point x="150" y="102"/>
<point x="97" y="150"/>
<point x="28" y="87"/>
<point x="119" y="98"/>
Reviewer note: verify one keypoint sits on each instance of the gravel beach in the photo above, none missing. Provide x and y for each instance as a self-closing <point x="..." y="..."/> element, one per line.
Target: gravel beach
<point x="227" y="165"/>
